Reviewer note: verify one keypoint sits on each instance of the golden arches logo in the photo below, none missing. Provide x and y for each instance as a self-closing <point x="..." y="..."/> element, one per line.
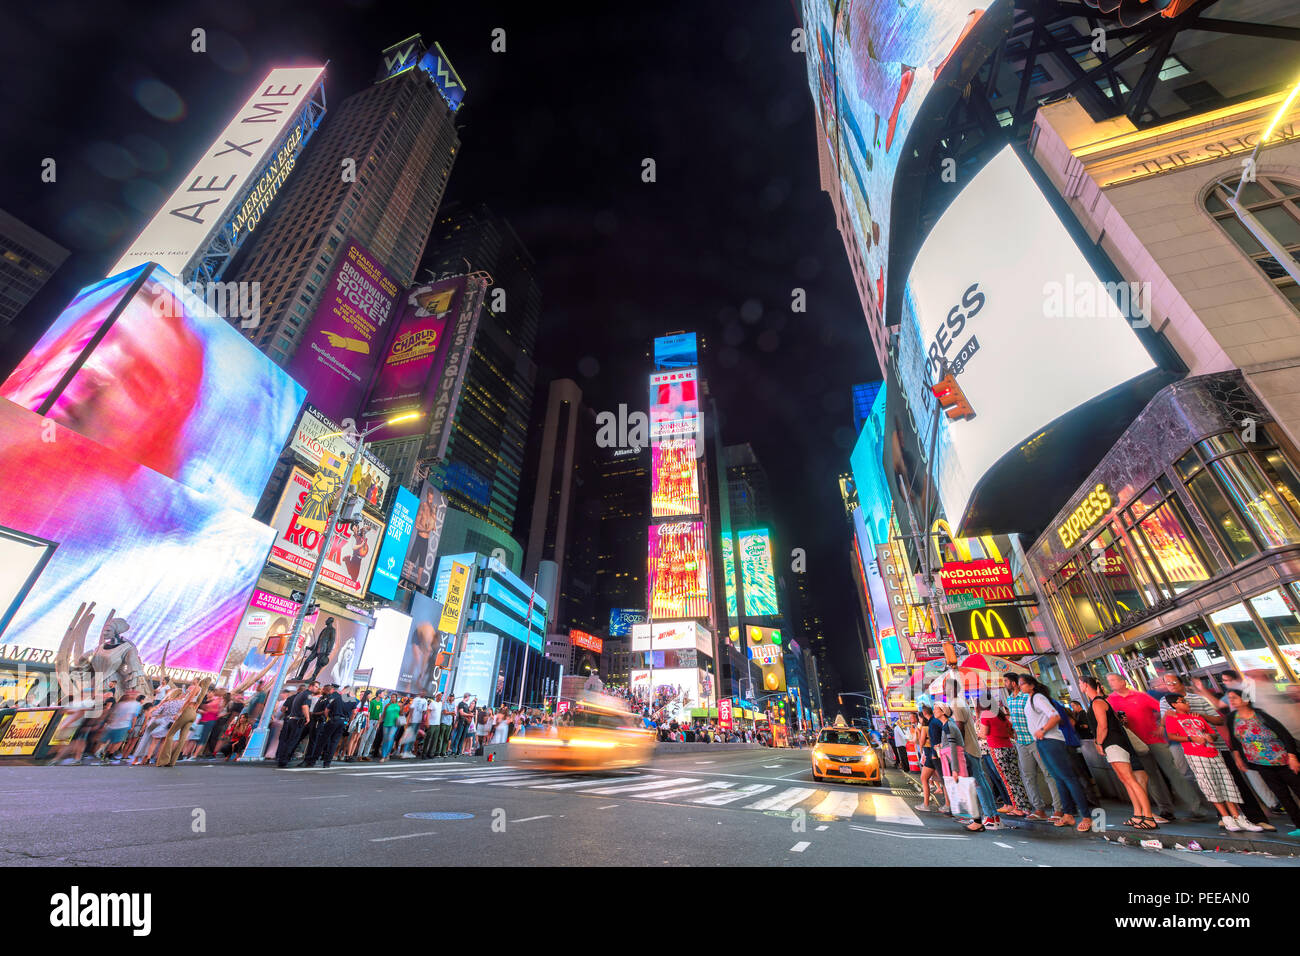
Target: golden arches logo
<point x="986" y="617"/>
<point x="962" y="545"/>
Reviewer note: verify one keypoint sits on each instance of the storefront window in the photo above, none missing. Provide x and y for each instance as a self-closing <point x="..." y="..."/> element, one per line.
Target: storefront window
<point x="1277" y="611"/>
<point x="1281" y="475"/>
<point x="1243" y="638"/>
<point x="1171" y="543"/>
<point x="1114" y="576"/>
<point x="1256" y="498"/>
<point x="1077" y="599"/>
<point x="1232" y="534"/>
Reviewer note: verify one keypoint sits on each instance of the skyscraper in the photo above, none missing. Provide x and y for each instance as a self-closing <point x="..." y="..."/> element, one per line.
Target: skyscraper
<point x="27" y="259"/>
<point x="623" y="475"/>
<point x="375" y="174"/>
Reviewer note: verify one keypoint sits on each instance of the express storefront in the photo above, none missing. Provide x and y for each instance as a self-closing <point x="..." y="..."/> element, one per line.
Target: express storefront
<point x="1181" y="552"/>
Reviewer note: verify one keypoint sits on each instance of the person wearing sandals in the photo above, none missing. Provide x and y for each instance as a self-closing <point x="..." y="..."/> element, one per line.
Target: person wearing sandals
<point x="1043" y="722"/>
<point x="928" y="732"/>
<point x="999" y="736"/>
<point x="1118" y="751"/>
<point x="1197" y="738"/>
<point x="962" y="720"/>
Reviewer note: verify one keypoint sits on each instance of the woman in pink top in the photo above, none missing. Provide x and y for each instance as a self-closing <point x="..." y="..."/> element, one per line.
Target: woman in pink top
<point x="1000" y="737"/>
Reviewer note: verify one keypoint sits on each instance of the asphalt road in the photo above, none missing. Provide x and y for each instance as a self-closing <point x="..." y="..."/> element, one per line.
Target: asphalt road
<point x="696" y="809"/>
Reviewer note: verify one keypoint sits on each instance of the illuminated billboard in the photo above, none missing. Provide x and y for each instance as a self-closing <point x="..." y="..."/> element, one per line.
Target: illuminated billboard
<point x="588" y="642"/>
<point x="177" y="565"/>
<point x="765" y="650"/>
<point x="729" y="572"/>
<point x="410" y="368"/>
<point x="337" y="354"/>
<point x="978" y="299"/>
<point x="206" y="199"/>
<point x="421" y="558"/>
<point x="352" y="550"/>
<point x="316" y="435"/>
<point x="676" y="351"/>
<point x="674" y="636"/>
<point x="674" y="405"/>
<point x="674" y="479"/>
<point x="621" y="620"/>
<point x="871" y="65"/>
<point x="141" y="366"/>
<point x="867" y="464"/>
<point x="756" y="573"/>
<point x="397" y="539"/>
<point x="678" y="570"/>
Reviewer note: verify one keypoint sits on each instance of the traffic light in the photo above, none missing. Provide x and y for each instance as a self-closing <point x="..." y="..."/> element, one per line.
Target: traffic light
<point x="952" y="398"/>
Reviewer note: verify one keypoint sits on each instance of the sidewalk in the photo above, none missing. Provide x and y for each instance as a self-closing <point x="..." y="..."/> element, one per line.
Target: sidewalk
<point x="1181" y="833"/>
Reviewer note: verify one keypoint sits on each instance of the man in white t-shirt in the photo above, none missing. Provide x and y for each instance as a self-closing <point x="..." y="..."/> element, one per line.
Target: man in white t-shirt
<point x="414" y="717"/>
<point x="434" y="731"/>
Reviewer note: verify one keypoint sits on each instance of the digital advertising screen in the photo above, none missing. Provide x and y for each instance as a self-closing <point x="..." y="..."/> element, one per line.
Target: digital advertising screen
<point x="352" y="551"/>
<point x="765" y="650"/>
<point x="979" y="297"/>
<point x="588" y="642"/>
<point x="673" y="636"/>
<point x="143" y="367"/>
<point x="867" y="464"/>
<point x="676" y="351"/>
<point x="871" y="65"/>
<point x="268" y="616"/>
<point x="756" y="575"/>
<point x="621" y="620"/>
<point x="679" y="570"/>
<point x="397" y="540"/>
<point x="674" y="405"/>
<point x="729" y="572"/>
<point x="177" y="565"/>
<point x="316" y="435"/>
<point x="430" y="516"/>
<point x="386" y="646"/>
<point x="338" y="351"/>
<point x="674" y="479"/>
<point x="412" y="365"/>
<point x="429" y="651"/>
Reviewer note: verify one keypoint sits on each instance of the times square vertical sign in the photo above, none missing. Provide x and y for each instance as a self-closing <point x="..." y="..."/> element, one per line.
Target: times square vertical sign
<point x="220" y="201"/>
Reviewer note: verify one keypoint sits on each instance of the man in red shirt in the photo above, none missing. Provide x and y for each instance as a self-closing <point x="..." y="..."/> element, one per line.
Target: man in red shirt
<point x="1141" y="714"/>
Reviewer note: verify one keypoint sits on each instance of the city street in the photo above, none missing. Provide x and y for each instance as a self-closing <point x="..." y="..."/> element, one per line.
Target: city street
<point x="706" y="808"/>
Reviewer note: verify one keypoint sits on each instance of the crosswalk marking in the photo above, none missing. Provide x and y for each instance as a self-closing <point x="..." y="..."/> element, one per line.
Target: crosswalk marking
<point x="586" y="782"/>
<point x="722" y="799"/>
<point x="658" y="784"/>
<point x="527" y="781"/>
<point x="496" y="777"/>
<point x="838" y="804"/>
<point x="888" y="808"/>
<point x="676" y="791"/>
<point x="784" y="800"/>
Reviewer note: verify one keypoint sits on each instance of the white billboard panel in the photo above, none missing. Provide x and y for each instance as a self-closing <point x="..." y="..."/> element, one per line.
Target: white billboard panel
<point x="184" y="225"/>
<point x="678" y="635"/>
<point x="984" y="286"/>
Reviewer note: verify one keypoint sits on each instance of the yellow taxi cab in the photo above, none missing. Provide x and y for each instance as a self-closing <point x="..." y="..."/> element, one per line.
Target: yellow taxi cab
<point x="845" y="753"/>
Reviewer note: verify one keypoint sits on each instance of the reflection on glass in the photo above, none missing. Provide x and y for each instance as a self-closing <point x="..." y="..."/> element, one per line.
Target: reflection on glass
<point x="1282" y="476"/>
<point x="1277" y="612"/>
<point x="1113" y="576"/>
<point x="1081" y="602"/>
<point x="1257" y="500"/>
<point x="1234" y="537"/>
<point x="1171" y="547"/>
<point x="1240" y="635"/>
<point x="1153" y="591"/>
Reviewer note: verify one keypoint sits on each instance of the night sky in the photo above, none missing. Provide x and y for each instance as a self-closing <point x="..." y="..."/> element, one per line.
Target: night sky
<point x="553" y="134"/>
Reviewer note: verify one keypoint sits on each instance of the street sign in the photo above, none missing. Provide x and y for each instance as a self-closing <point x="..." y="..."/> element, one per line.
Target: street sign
<point x="961" y="601"/>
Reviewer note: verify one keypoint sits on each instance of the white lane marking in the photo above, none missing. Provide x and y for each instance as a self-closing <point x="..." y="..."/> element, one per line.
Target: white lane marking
<point x="713" y="785"/>
<point x="404" y="836"/>
<point x="332" y="796"/>
<point x="544" y="816"/>
<point x="800" y="846"/>
<point x="891" y="809"/>
<point x="179" y="806"/>
<point x="774" y="766"/>
<point x="609" y="806"/>
<point x="527" y="781"/>
<point x="644" y="785"/>
<point x="784" y="800"/>
<point x="905" y="836"/>
<point x="567" y="784"/>
<point x="822" y="827"/>
<point x="489" y="777"/>
<point x="722" y="799"/>
<point x="706" y="761"/>
<point x="1005" y="846"/>
<point x="836" y="805"/>
<point x="426" y="790"/>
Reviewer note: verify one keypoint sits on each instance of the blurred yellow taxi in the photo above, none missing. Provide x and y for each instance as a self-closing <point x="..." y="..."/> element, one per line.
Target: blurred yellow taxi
<point x="596" y="733"/>
<point x="845" y="753"/>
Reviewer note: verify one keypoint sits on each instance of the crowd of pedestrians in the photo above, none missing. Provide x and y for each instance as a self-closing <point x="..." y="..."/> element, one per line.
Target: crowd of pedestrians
<point x="1168" y="751"/>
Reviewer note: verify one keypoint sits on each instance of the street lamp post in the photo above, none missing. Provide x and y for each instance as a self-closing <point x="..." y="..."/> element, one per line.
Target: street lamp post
<point x="257" y="741"/>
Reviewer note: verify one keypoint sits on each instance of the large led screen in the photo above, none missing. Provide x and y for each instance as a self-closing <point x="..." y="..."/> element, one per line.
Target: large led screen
<point x="766" y="651"/>
<point x="392" y="556"/>
<point x="674" y="479"/>
<point x="679" y="570"/>
<point x="980" y="288"/>
<point x="871" y="64"/>
<point x="412" y="366"/>
<point x="676" y="351"/>
<point x="756" y="575"/>
<point x="729" y="572"/>
<point x="352" y="550"/>
<point x="338" y="351"/>
<point x="140" y="365"/>
<point x="674" y="405"/>
<point x="621" y="620"/>
<point x="867" y="464"/>
<point x="315" y="435"/>
<point x="177" y="565"/>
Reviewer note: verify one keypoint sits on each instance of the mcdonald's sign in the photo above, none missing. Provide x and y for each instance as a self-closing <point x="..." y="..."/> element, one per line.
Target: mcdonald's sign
<point x="1002" y="646"/>
<point x="989" y="623"/>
